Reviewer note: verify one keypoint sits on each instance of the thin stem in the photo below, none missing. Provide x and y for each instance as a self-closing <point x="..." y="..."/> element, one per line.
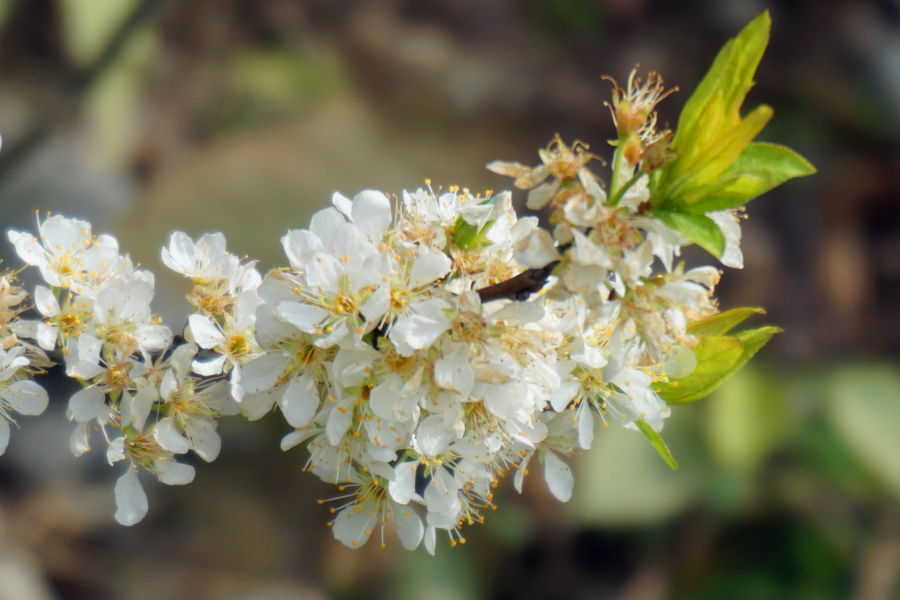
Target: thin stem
<point x="618" y="156"/>
<point x="617" y="197"/>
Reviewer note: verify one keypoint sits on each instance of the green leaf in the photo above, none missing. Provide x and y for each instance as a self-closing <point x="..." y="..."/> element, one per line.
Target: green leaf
<point x="759" y="168"/>
<point x="701" y="230"/>
<point x="863" y="403"/>
<point x="657" y="442"/>
<point x="723" y="322"/>
<point x="717" y="357"/>
<point x="753" y="341"/>
<point x="745" y="420"/>
<point x="728" y="80"/>
<point x="703" y="166"/>
<point x="711" y="134"/>
<point x="467" y="236"/>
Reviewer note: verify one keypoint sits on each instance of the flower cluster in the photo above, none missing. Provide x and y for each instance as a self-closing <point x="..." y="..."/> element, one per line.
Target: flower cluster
<point x="19" y="360"/>
<point x="422" y="347"/>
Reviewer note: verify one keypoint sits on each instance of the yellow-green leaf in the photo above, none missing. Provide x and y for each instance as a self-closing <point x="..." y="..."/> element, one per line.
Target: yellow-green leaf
<point x="701" y="230"/>
<point x="730" y="77"/>
<point x="759" y="168"/>
<point x="723" y="322"/>
<point x="753" y="341"/>
<point x="717" y="357"/>
<point x="657" y="443"/>
<point x="711" y="134"/>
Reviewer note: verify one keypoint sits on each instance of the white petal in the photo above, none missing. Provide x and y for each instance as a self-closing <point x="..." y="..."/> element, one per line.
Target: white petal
<point x="79" y="443"/>
<point x="536" y="250"/>
<point x="520" y="473"/>
<point x="167" y="435"/>
<point x="453" y="371"/>
<point x="141" y="405"/>
<point x="256" y="406"/>
<point x="26" y="397"/>
<point x="421" y="328"/>
<point x="410" y="529"/>
<point x="324" y="273"/>
<point x="441" y="493"/>
<point x="206" y="334"/>
<point x="680" y="362"/>
<point x="731" y="230"/>
<point x="182" y="357"/>
<point x="587" y="252"/>
<point x="45" y="301"/>
<point x="179" y="256"/>
<point x="430" y="539"/>
<point x="31" y="251"/>
<point x="377" y="269"/>
<point x="372" y="213"/>
<point x="298" y="436"/>
<point x="564" y="394"/>
<point x="207" y="368"/>
<point x="116" y="450"/>
<point x="382" y="398"/>
<point x="205" y="440"/>
<point x="89" y="348"/>
<point x="377" y="304"/>
<point x="338" y="423"/>
<point x="433" y="437"/>
<point x="428" y="268"/>
<point x="262" y="373"/>
<point x="168" y="386"/>
<point x="559" y="477"/>
<point x="131" y="501"/>
<point x="170" y="472"/>
<point x="305" y="316"/>
<point x="342" y="203"/>
<point x="585" y="427"/>
<point x="154" y="338"/>
<point x="4" y="435"/>
<point x="403" y="487"/>
<point x="300" y="401"/>
<point x="300" y="246"/>
<point x="354" y="524"/>
<point x="86" y="404"/>
<point x="324" y="223"/>
<point x="518" y="313"/>
<point x="542" y="194"/>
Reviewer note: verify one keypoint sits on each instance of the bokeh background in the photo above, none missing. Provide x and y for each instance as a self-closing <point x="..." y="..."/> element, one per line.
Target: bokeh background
<point x="243" y="116"/>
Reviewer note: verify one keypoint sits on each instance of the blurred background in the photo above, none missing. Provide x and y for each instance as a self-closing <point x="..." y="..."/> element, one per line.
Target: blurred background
<point x="243" y="116"/>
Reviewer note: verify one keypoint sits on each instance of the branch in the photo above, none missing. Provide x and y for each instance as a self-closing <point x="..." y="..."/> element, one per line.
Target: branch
<point x="519" y="287"/>
<point x="74" y="91"/>
<point x="524" y="284"/>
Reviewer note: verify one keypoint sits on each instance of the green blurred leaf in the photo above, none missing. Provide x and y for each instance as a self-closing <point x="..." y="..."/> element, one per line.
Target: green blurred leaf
<point x="759" y="168"/>
<point x="635" y="486"/>
<point x="863" y="403"/>
<point x="718" y="357"/>
<point x="88" y="25"/>
<point x="723" y="322"/>
<point x="657" y="443"/>
<point x="744" y="421"/>
<point x="702" y="230"/>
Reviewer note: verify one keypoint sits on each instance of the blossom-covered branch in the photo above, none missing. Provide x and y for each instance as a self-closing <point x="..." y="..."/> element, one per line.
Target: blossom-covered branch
<point x="423" y="346"/>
